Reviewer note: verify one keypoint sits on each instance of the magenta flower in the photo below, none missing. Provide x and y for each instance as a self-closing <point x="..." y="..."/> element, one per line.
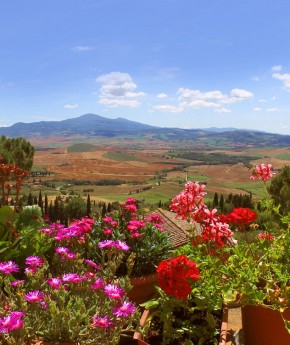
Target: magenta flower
<point x="8" y="267"/>
<point x="108" y="232"/>
<point x="106" y="244"/>
<point x="121" y="245"/>
<point x="92" y="264"/>
<point x="62" y="250"/>
<point x="114" y="291"/>
<point x="11" y="322"/>
<point x="72" y="278"/>
<point x="17" y="282"/>
<point x="71" y="256"/>
<point x="34" y="296"/>
<point x="125" y="310"/>
<point x="103" y="322"/>
<point x="262" y="172"/>
<point x="34" y="261"/>
<point x="131" y="201"/>
<point x="54" y="282"/>
<point x="98" y="284"/>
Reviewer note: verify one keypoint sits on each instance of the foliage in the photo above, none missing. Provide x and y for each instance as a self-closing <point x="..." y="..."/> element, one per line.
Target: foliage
<point x="71" y="299"/>
<point x="148" y="242"/>
<point x="9" y="239"/>
<point x="76" y="208"/>
<point x="17" y="151"/>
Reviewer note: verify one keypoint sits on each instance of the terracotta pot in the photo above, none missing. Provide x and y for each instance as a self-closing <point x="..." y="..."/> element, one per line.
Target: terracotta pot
<point x="223" y="334"/>
<point x="143" y="288"/>
<point x="264" y="326"/>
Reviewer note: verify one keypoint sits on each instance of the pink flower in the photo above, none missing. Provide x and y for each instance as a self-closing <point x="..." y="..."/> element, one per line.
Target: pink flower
<point x="108" y="232"/>
<point x="155" y="218"/>
<point x="131" y="208"/>
<point x="125" y="310"/>
<point x="72" y="278"/>
<point x="103" y="322"/>
<point x="98" y="284"/>
<point x="188" y="200"/>
<point x="121" y="245"/>
<point x="131" y="201"/>
<point x="262" y="172"/>
<point x="34" y="261"/>
<point x="54" y="282"/>
<point x="114" y="291"/>
<point x="34" y="296"/>
<point x="92" y="264"/>
<point x="266" y="236"/>
<point x="11" y="322"/>
<point x="17" y="282"/>
<point x="106" y="244"/>
<point x="8" y="267"/>
<point x="62" y="250"/>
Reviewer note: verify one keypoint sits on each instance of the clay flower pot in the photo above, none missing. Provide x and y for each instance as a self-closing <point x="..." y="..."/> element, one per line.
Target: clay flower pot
<point x="264" y="326"/>
<point x="143" y="288"/>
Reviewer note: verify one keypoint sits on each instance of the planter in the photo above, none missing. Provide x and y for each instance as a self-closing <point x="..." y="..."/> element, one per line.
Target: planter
<point x="222" y="338"/>
<point x="264" y="326"/>
<point x="143" y="288"/>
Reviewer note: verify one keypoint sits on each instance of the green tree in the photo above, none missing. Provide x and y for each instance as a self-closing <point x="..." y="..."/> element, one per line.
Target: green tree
<point x="279" y="190"/>
<point x="76" y="208"/>
<point x="17" y="151"/>
<point x="89" y="208"/>
<point x="30" y="199"/>
<point x="40" y="201"/>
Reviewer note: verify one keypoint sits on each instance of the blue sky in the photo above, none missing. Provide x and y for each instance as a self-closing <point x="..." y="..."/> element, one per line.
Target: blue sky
<point x="170" y="63"/>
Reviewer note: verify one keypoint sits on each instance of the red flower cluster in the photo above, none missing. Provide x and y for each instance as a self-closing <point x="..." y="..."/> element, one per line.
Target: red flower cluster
<point x="174" y="276"/>
<point x="241" y="217"/>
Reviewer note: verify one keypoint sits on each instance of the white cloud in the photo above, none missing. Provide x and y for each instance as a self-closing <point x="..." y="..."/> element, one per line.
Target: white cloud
<point x="81" y="48"/>
<point x="117" y="89"/>
<point x="71" y="106"/>
<point x="222" y="110"/>
<point x="285" y="78"/>
<point x="241" y="94"/>
<point x="257" y="78"/>
<point x="168" y="108"/>
<point x="276" y="68"/>
<point x="272" y="110"/>
<point x="162" y="95"/>
<point x="257" y="109"/>
<point x="119" y="102"/>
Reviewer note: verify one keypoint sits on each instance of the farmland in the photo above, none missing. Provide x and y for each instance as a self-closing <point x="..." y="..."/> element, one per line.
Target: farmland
<point x="152" y="172"/>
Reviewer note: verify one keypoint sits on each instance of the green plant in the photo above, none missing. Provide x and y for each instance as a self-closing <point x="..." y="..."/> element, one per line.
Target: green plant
<point x="71" y="299"/>
<point x="148" y="242"/>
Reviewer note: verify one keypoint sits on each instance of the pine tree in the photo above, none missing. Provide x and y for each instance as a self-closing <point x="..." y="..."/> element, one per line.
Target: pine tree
<point x="215" y="200"/>
<point x="40" y="201"/>
<point x="45" y="204"/>
<point x="30" y="199"/>
<point x="221" y="203"/>
<point x="89" y="209"/>
<point x="109" y="208"/>
<point x="104" y="210"/>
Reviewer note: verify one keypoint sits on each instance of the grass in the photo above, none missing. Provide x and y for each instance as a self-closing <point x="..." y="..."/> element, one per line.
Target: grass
<point x="81" y="147"/>
<point x="254" y="187"/>
<point x="284" y="156"/>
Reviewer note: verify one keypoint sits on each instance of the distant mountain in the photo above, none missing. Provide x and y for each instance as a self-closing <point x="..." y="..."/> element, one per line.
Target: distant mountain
<point x="91" y="125"/>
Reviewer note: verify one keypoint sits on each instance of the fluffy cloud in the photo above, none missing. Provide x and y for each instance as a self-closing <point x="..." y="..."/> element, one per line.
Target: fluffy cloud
<point x="168" y="108"/>
<point x="285" y="78"/>
<point x="71" y="106"/>
<point x="118" y="89"/>
<point x="196" y="99"/>
<point x="162" y="95"/>
<point x="257" y="109"/>
<point x="272" y="110"/>
<point x="276" y="68"/>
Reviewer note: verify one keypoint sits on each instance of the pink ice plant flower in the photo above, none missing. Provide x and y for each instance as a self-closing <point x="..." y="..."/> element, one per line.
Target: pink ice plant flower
<point x="54" y="282"/>
<point x="106" y="244"/>
<point x="114" y="291"/>
<point x="92" y="264"/>
<point x="11" y="322"/>
<point x="17" y="282"/>
<point x="62" y="250"/>
<point x="72" y="278"/>
<point x="98" y="284"/>
<point x="103" y="322"/>
<point x="124" y="310"/>
<point x="34" y="296"/>
<point x="8" y="267"/>
<point x="34" y="261"/>
<point x="121" y="245"/>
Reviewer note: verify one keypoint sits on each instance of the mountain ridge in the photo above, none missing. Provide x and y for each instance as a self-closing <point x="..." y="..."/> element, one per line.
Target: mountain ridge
<point x="92" y="125"/>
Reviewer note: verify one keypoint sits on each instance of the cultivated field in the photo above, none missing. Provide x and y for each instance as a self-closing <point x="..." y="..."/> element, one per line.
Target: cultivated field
<point x="150" y="172"/>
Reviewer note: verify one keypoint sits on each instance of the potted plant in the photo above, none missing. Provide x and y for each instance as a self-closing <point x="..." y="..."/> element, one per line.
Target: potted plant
<point x="250" y="263"/>
<point x="70" y="299"/>
<point x="186" y="310"/>
<point x="148" y="244"/>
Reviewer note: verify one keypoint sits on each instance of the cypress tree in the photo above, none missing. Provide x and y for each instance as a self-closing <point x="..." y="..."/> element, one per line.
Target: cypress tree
<point x="40" y="201"/>
<point x="30" y="199"/>
<point x="45" y="204"/>
<point x="89" y="209"/>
